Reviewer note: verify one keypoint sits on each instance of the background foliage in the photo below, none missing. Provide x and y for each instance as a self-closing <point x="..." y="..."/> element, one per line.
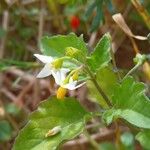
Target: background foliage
<point x="22" y="25"/>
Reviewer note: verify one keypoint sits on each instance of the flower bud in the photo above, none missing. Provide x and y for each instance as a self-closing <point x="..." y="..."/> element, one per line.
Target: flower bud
<point x="53" y="131"/>
<point x="72" y="52"/>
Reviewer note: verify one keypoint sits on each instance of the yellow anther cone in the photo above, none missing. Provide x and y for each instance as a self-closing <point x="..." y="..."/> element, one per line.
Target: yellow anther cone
<point x="61" y="92"/>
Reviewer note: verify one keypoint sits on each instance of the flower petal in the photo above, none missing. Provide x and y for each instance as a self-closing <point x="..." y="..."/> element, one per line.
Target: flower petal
<point x="57" y="76"/>
<point x="79" y="85"/>
<point x="43" y="58"/>
<point x="71" y="80"/>
<point x="63" y="72"/>
<point x="46" y="71"/>
<point x="72" y="85"/>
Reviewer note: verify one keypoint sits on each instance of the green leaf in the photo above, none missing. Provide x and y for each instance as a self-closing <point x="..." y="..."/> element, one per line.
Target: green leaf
<point x="55" y="46"/>
<point x="130" y="103"/>
<point x="67" y="113"/>
<point x="89" y="10"/>
<point x="12" y="109"/>
<point x="101" y="55"/>
<point x="107" y="146"/>
<point x="107" y="79"/>
<point x="143" y="137"/>
<point x="127" y="140"/>
<point x="5" y="130"/>
<point x="99" y="15"/>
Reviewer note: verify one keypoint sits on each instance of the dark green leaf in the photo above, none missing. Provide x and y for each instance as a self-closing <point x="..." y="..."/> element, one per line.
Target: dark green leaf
<point x="11" y="108"/>
<point x="110" y="6"/>
<point x="5" y="130"/>
<point x="67" y="113"/>
<point x="107" y="146"/>
<point x="90" y="10"/>
<point x="97" y="19"/>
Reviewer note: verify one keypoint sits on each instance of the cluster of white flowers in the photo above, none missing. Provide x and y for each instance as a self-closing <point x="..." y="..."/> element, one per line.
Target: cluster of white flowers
<point x="54" y="67"/>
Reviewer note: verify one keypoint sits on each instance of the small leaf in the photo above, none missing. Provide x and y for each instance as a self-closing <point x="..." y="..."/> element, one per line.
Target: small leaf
<point x="89" y="10"/>
<point x="127" y="140"/>
<point x="99" y="16"/>
<point x="143" y="137"/>
<point x="67" y="114"/>
<point x="55" y="46"/>
<point x="12" y="109"/>
<point x="110" y="6"/>
<point x="101" y="55"/>
<point x="130" y="103"/>
<point x="107" y="146"/>
<point x="5" y="130"/>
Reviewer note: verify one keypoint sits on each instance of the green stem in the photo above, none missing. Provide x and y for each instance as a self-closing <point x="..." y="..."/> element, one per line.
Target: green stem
<point x="98" y="87"/>
<point x="132" y="70"/>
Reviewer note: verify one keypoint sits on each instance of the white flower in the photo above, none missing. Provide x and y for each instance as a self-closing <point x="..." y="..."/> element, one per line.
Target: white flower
<point x="72" y="85"/>
<point x="59" y="74"/>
